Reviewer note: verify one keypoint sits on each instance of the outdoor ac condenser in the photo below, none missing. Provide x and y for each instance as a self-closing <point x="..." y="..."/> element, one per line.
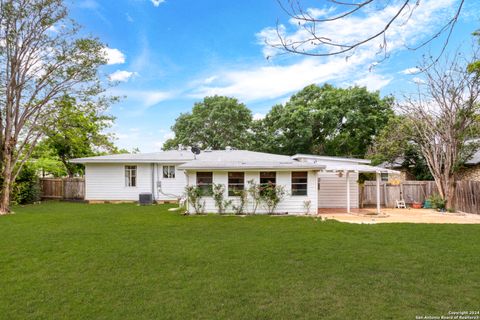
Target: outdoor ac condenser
<point x="145" y="199"/>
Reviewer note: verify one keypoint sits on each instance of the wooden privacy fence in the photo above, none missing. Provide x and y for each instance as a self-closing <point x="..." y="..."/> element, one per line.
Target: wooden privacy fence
<point x="65" y="188"/>
<point x="467" y="196"/>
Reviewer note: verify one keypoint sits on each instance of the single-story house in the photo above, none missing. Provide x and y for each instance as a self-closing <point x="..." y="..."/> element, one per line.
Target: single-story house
<point x="326" y="182"/>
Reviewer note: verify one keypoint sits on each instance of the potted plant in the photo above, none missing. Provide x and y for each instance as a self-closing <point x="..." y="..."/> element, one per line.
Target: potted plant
<point x="416" y="205"/>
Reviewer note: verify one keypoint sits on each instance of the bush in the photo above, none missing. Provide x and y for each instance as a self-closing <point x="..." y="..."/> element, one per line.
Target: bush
<point x="437" y="202"/>
<point x="242" y="202"/>
<point x="194" y="197"/>
<point x="26" y="189"/>
<point x="218" y="193"/>
<point x="271" y="196"/>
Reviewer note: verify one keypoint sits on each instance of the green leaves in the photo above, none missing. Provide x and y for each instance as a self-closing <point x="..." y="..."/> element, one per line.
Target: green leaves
<point x="325" y="120"/>
<point x="216" y="122"/>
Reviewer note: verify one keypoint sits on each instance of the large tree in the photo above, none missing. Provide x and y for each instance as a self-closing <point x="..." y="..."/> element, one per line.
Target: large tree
<point x="216" y="122"/>
<point x="444" y="118"/>
<point x="324" y="120"/>
<point x="41" y="58"/>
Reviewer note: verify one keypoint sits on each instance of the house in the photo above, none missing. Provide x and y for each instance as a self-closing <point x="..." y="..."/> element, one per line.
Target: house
<point x="326" y="182"/>
<point x="471" y="168"/>
<point x="402" y="172"/>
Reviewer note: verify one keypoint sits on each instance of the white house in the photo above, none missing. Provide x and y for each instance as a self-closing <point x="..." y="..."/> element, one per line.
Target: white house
<point x="326" y="182"/>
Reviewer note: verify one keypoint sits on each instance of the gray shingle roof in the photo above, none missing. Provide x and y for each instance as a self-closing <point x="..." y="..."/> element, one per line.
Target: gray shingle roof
<point x="245" y="165"/>
<point x="475" y="159"/>
<point x="185" y="156"/>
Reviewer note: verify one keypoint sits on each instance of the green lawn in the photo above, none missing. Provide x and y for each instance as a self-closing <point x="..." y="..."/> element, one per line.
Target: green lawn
<point x="79" y="261"/>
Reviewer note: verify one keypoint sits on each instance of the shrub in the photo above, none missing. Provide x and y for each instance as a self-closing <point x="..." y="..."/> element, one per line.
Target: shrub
<point x="218" y="193"/>
<point x="254" y="191"/>
<point x="194" y="198"/>
<point x="437" y="201"/>
<point x="26" y="189"/>
<point x="307" y="205"/>
<point x="240" y="209"/>
<point x="271" y="195"/>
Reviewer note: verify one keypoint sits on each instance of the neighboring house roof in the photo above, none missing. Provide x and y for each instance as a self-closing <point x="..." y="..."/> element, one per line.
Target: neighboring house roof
<point x="475" y="159"/>
<point x="396" y="164"/>
<point x="299" y="156"/>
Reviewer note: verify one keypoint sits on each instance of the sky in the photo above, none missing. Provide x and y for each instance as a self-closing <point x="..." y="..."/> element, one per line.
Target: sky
<point x="165" y="55"/>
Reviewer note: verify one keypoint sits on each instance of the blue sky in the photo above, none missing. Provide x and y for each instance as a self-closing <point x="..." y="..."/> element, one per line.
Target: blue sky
<point x="165" y="55"/>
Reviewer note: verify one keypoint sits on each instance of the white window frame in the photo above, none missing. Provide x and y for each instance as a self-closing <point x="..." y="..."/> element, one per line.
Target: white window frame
<point x="170" y="174"/>
<point x="131" y="176"/>
<point x="299" y="184"/>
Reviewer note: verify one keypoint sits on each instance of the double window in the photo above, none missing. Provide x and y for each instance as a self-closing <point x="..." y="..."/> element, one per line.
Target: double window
<point x="236" y="183"/>
<point x="299" y="183"/>
<point x="169" y="172"/>
<point x="204" y="182"/>
<point x="130" y="176"/>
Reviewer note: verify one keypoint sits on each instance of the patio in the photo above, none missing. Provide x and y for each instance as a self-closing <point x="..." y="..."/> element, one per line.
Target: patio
<point x="389" y="215"/>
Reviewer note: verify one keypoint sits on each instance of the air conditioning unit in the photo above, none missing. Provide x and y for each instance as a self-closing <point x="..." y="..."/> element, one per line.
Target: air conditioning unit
<point x="145" y="199"/>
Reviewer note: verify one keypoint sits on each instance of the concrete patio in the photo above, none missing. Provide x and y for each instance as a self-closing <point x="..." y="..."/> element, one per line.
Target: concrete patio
<point x="389" y="215"/>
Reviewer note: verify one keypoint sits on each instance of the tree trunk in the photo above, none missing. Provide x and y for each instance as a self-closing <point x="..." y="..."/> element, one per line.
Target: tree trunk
<point x="450" y="196"/>
<point x="6" y="184"/>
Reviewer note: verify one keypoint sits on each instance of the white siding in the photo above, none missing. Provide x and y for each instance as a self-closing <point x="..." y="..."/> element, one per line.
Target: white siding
<point x="333" y="190"/>
<point x="107" y="181"/>
<point x="169" y="188"/>
<point x="291" y="204"/>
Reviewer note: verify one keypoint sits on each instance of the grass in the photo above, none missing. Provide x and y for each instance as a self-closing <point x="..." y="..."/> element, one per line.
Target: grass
<point x="78" y="261"/>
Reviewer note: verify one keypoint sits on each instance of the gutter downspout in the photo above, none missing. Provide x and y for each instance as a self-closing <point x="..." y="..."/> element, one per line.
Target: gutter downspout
<point x="153" y="182"/>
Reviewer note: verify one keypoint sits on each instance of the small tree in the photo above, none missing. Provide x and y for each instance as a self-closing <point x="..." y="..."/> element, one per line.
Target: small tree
<point x="444" y="117"/>
<point x="242" y="202"/>
<point x="194" y="198"/>
<point x="271" y="195"/>
<point x="42" y="57"/>
<point x="218" y="193"/>
<point x="254" y="191"/>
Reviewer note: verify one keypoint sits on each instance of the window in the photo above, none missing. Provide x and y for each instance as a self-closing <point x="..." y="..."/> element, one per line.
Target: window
<point x="130" y="176"/>
<point x="204" y="182"/>
<point x="169" y="172"/>
<point x="267" y="178"/>
<point x="299" y="183"/>
<point x="236" y="183"/>
<point x="384" y="176"/>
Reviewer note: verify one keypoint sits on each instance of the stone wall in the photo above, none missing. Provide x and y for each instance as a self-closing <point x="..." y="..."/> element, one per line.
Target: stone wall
<point x="469" y="173"/>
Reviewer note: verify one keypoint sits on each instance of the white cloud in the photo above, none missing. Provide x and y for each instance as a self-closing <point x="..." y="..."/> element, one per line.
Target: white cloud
<point x="373" y="81"/>
<point x="258" y="116"/>
<point x="88" y="4"/>
<point x="418" y="80"/>
<point x="121" y="75"/>
<point x="129" y="17"/>
<point x="156" y="3"/>
<point x="409" y="71"/>
<point x="210" y="79"/>
<point x="114" y="56"/>
<point x="277" y="80"/>
<point x="270" y="82"/>
<point x="143" y="98"/>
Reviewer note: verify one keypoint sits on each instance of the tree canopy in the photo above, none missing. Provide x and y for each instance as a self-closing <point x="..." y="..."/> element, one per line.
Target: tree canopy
<point x="324" y="120"/>
<point x="77" y="130"/>
<point x="216" y="122"/>
<point x="42" y="57"/>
